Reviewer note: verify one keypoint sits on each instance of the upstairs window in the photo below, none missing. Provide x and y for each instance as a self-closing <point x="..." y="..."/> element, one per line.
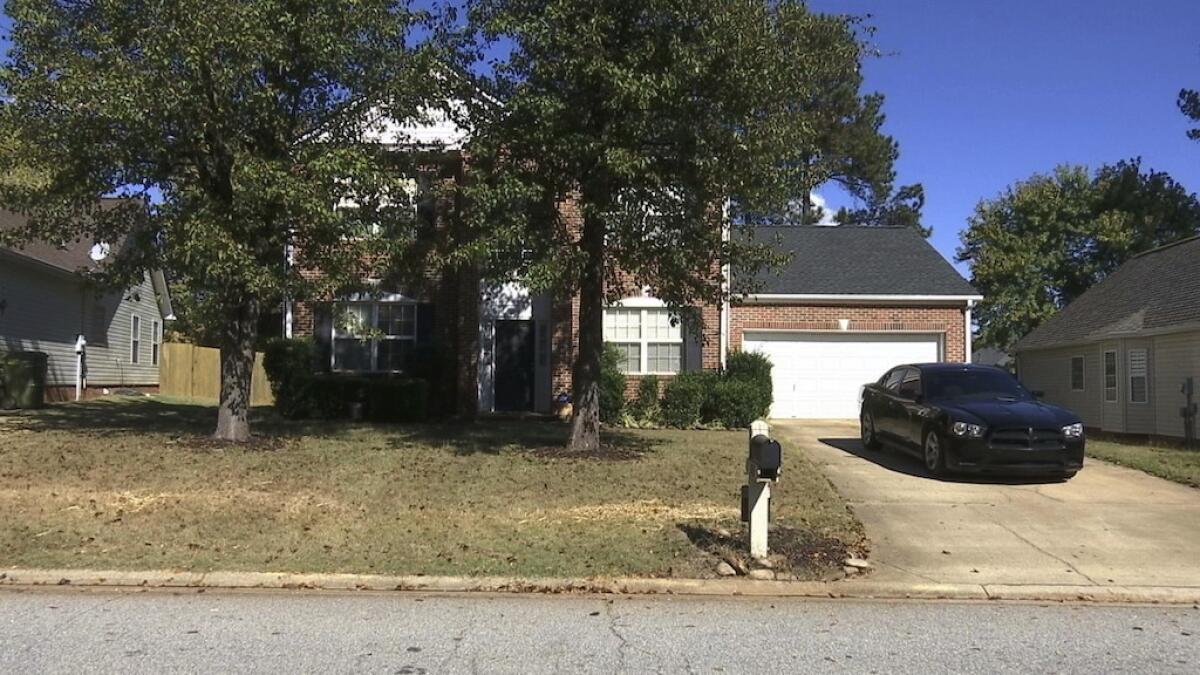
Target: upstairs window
<point x="373" y="336"/>
<point x="649" y="340"/>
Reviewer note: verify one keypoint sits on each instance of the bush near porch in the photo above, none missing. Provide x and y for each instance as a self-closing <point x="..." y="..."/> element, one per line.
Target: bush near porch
<point x="136" y="484"/>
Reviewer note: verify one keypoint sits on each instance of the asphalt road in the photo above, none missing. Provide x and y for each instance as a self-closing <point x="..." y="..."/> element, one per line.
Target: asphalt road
<point x="70" y="631"/>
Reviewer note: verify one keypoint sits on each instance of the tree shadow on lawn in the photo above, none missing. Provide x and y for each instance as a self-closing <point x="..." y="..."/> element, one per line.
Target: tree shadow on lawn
<point x="195" y="421"/>
<point x="543" y="439"/>
<point x="901" y="462"/>
<point x="115" y="415"/>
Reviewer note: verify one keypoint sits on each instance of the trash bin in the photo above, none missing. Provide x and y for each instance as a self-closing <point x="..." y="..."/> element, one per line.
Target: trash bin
<point x="22" y="380"/>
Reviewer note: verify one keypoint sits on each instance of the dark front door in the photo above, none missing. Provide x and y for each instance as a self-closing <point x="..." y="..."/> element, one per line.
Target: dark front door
<point x="514" y="365"/>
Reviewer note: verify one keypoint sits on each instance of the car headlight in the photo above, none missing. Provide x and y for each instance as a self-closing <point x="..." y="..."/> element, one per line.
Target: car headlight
<point x="1073" y="430"/>
<point x="967" y="430"/>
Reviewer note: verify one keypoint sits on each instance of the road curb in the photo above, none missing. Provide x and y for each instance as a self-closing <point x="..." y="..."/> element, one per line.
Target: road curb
<point x="861" y="589"/>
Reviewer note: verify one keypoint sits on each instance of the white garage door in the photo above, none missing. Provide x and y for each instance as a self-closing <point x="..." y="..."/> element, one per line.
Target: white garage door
<point x="818" y="375"/>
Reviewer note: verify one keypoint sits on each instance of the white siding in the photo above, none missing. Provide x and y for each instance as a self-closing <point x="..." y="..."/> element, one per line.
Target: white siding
<point x="1049" y="371"/>
<point x="1170" y="359"/>
<point x="1176" y="357"/>
<point x="45" y="311"/>
<point x="1139" y="417"/>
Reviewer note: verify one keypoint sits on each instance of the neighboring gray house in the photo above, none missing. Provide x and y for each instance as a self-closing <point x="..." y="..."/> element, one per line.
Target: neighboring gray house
<point x="990" y="356"/>
<point x="47" y="302"/>
<point x="1119" y="354"/>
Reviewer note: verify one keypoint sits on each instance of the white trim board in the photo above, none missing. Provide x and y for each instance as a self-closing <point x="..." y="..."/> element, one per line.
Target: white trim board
<point x="856" y="299"/>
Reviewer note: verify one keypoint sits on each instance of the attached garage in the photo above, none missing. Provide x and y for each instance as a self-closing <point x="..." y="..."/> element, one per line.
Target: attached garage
<point x="818" y="375"/>
<point x="850" y="304"/>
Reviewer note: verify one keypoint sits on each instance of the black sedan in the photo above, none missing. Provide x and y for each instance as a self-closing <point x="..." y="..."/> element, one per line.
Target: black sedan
<point x="959" y="417"/>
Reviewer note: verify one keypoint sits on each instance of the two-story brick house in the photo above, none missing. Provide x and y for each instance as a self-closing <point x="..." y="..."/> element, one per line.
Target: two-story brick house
<point x="852" y="303"/>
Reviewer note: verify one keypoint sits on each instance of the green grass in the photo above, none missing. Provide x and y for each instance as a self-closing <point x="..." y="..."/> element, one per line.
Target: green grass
<point x="1173" y="463"/>
<point x="136" y="484"/>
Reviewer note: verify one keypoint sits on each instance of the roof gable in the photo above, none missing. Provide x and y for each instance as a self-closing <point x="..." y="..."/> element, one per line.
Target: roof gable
<point x="858" y="260"/>
<point x="1155" y="290"/>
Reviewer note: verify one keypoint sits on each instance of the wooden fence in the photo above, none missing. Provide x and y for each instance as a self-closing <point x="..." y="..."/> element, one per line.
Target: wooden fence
<point x="195" y="372"/>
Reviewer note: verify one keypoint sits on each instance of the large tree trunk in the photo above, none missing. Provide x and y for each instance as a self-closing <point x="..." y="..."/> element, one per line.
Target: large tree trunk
<point x="237" y="364"/>
<point x="585" y="424"/>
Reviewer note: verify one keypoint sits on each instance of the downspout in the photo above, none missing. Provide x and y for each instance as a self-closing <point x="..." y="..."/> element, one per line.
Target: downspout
<point x="967" y="330"/>
<point x="725" y="286"/>
<point x="288" y="260"/>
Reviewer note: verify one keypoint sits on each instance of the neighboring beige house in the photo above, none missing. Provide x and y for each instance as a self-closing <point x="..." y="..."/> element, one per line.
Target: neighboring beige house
<point x="47" y="303"/>
<point x="1121" y="353"/>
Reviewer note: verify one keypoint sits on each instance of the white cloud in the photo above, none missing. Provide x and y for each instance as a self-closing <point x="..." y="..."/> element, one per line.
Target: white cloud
<point x="826" y="213"/>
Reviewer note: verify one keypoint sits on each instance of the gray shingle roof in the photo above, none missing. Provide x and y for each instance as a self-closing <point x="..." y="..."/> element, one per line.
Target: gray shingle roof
<point x="72" y="256"/>
<point x="1155" y="290"/>
<point x="859" y="261"/>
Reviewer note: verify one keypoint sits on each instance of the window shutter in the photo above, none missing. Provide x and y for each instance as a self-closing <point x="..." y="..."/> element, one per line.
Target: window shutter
<point x="425" y="323"/>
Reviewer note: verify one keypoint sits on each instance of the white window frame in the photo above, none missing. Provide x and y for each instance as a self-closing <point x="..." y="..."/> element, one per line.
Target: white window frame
<point x="1145" y="374"/>
<point x="1116" y="388"/>
<point x="155" y="341"/>
<point x="135" y="339"/>
<point x="374" y="340"/>
<point x="644" y="342"/>
<point x="1082" y="373"/>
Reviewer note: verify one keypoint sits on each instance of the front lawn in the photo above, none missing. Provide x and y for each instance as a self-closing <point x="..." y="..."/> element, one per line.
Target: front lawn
<point x="1173" y="463"/>
<point x="135" y="484"/>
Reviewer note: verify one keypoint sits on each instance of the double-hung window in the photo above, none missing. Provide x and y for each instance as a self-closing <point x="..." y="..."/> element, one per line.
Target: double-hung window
<point x="373" y="336"/>
<point x="155" y="340"/>
<point x="1110" y="376"/>
<point x="649" y="339"/>
<point x="135" y="339"/>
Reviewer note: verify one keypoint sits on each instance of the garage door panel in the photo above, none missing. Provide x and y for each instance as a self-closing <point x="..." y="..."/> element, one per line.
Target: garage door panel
<point x="818" y="375"/>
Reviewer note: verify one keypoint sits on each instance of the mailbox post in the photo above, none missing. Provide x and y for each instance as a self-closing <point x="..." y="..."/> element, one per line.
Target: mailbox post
<point x="763" y="467"/>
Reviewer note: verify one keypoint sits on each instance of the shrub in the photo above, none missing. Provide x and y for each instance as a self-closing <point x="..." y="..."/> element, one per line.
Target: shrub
<point x="754" y="369"/>
<point x="289" y="365"/>
<point x="329" y="396"/>
<point x="645" y="407"/>
<point x="684" y="398"/>
<point x="429" y="362"/>
<point x="612" y="386"/>
<point x="732" y="403"/>
<point x="397" y="400"/>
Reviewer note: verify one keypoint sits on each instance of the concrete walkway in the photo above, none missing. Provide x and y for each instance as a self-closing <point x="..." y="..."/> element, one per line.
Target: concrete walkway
<point x="1108" y="526"/>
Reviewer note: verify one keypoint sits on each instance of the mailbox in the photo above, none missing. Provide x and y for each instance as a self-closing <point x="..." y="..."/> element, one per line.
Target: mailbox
<point x="766" y="459"/>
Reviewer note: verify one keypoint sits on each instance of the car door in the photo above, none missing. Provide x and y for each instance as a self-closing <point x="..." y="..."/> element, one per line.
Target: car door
<point x="909" y="416"/>
<point x="887" y="407"/>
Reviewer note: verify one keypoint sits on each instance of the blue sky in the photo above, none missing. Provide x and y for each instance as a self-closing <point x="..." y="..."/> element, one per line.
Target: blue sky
<point x="982" y="94"/>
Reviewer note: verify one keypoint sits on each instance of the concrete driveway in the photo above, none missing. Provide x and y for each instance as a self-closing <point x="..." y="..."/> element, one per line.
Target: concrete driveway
<point x="1108" y="526"/>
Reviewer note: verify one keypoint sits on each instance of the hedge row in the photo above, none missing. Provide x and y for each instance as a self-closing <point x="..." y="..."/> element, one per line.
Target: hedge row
<point x="300" y="392"/>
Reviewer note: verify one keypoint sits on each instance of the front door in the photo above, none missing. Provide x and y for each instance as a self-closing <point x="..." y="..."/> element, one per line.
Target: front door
<point x="514" y="365"/>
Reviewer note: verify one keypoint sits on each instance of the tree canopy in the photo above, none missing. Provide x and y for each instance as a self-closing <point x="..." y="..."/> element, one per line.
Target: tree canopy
<point x="1047" y="239"/>
<point x="660" y="121"/>
<point x="233" y="129"/>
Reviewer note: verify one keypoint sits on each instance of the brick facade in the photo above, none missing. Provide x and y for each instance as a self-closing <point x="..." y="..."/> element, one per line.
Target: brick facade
<point x="948" y="321"/>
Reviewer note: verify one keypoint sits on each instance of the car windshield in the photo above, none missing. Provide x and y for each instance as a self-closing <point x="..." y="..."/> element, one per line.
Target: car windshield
<point x="979" y="384"/>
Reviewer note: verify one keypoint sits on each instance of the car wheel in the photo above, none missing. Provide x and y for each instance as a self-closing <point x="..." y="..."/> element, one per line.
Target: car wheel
<point x="1067" y="476"/>
<point x="935" y="454"/>
<point x="866" y="425"/>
